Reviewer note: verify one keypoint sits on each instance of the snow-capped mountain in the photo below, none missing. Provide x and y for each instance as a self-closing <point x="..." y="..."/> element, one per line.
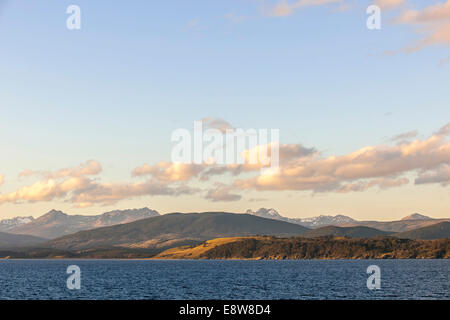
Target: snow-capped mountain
<point x="313" y="222"/>
<point x="410" y="222"/>
<point x="416" y="216"/>
<point x="322" y="220"/>
<point x="57" y="223"/>
<point x="8" y="224"/>
<point x="266" y="213"/>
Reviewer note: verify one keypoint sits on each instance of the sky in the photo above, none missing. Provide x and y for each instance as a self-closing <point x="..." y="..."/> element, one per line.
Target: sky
<point x="86" y="116"/>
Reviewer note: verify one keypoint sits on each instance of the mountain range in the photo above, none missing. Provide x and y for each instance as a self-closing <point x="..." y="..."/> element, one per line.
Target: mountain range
<point x="144" y="231"/>
<point x="410" y="222"/>
<point x="56" y="223"/>
<point x="179" y="229"/>
<point x="150" y="236"/>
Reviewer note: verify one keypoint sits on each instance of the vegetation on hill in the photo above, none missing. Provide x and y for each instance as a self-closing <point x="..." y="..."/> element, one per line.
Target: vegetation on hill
<point x="351" y="232"/>
<point x="317" y="248"/>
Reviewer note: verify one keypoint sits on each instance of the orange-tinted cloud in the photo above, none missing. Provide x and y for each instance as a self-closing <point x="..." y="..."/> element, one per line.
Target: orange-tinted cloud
<point x="88" y="168"/>
<point x="434" y="22"/>
<point x="330" y="174"/>
<point x="285" y="8"/>
<point x="300" y="168"/>
<point x="389" y="4"/>
<point x="169" y="171"/>
<point x="76" y="186"/>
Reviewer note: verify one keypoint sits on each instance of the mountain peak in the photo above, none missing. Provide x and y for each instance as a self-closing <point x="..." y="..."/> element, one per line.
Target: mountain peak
<point x="52" y="215"/>
<point x="416" y="216"/>
<point x="265" y="213"/>
<point x="54" y="212"/>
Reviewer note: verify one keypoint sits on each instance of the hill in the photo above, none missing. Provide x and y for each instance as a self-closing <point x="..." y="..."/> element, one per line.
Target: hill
<point x="351" y="232"/>
<point x="436" y="231"/>
<point x="56" y="223"/>
<point x="416" y="216"/>
<point x="317" y="248"/>
<point x="171" y="230"/>
<point x="8" y="240"/>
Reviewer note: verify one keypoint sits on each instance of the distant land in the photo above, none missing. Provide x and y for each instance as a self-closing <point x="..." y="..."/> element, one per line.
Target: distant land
<point x="410" y="222"/>
<point x="57" y="223"/>
<point x="149" y="234"/>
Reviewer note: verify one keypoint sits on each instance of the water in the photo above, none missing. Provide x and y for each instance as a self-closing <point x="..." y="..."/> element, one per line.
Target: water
<point x="194" y="279"/>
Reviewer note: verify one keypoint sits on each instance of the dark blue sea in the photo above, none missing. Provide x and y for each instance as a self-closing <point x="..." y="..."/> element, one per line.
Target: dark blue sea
<point x="215" y="279"/>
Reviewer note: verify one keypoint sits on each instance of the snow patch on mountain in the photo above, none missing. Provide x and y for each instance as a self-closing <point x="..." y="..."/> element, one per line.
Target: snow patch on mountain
<point x="312" y="222"/>
<point x="8" y="224"/>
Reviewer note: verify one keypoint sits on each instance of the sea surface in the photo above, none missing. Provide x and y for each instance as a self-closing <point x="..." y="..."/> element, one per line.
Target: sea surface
<point x="222" y="279"/>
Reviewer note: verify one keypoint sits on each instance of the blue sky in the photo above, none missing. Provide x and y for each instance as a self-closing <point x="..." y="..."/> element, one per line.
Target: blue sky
<point x="116" y="89"/>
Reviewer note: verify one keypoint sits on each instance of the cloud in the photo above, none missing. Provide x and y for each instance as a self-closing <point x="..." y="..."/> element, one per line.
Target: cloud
<point x="222" y="192"/>
<point x="110" y="193"/>
<point x="287" y="152"/>
<point x="439" y="175"/>
<point x="434" y="13"/>
<point x="389" y="4"/>
<point x="405" y="136"/>
<point x="193" y="23"/>
<point x="169" y="171"/>
<point x="284" y="8"/>
<point x="434" y="22"/>
<point x="88" y="168"/>
<point x="300" y="168"/>
<point x="216" y="123"/>
<point x="381" y="183"/>
<point x="75" y="185"/>
<point x="1" y="179"/>
<point x="445" y="130"/>
<point x="327" y="174"/>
